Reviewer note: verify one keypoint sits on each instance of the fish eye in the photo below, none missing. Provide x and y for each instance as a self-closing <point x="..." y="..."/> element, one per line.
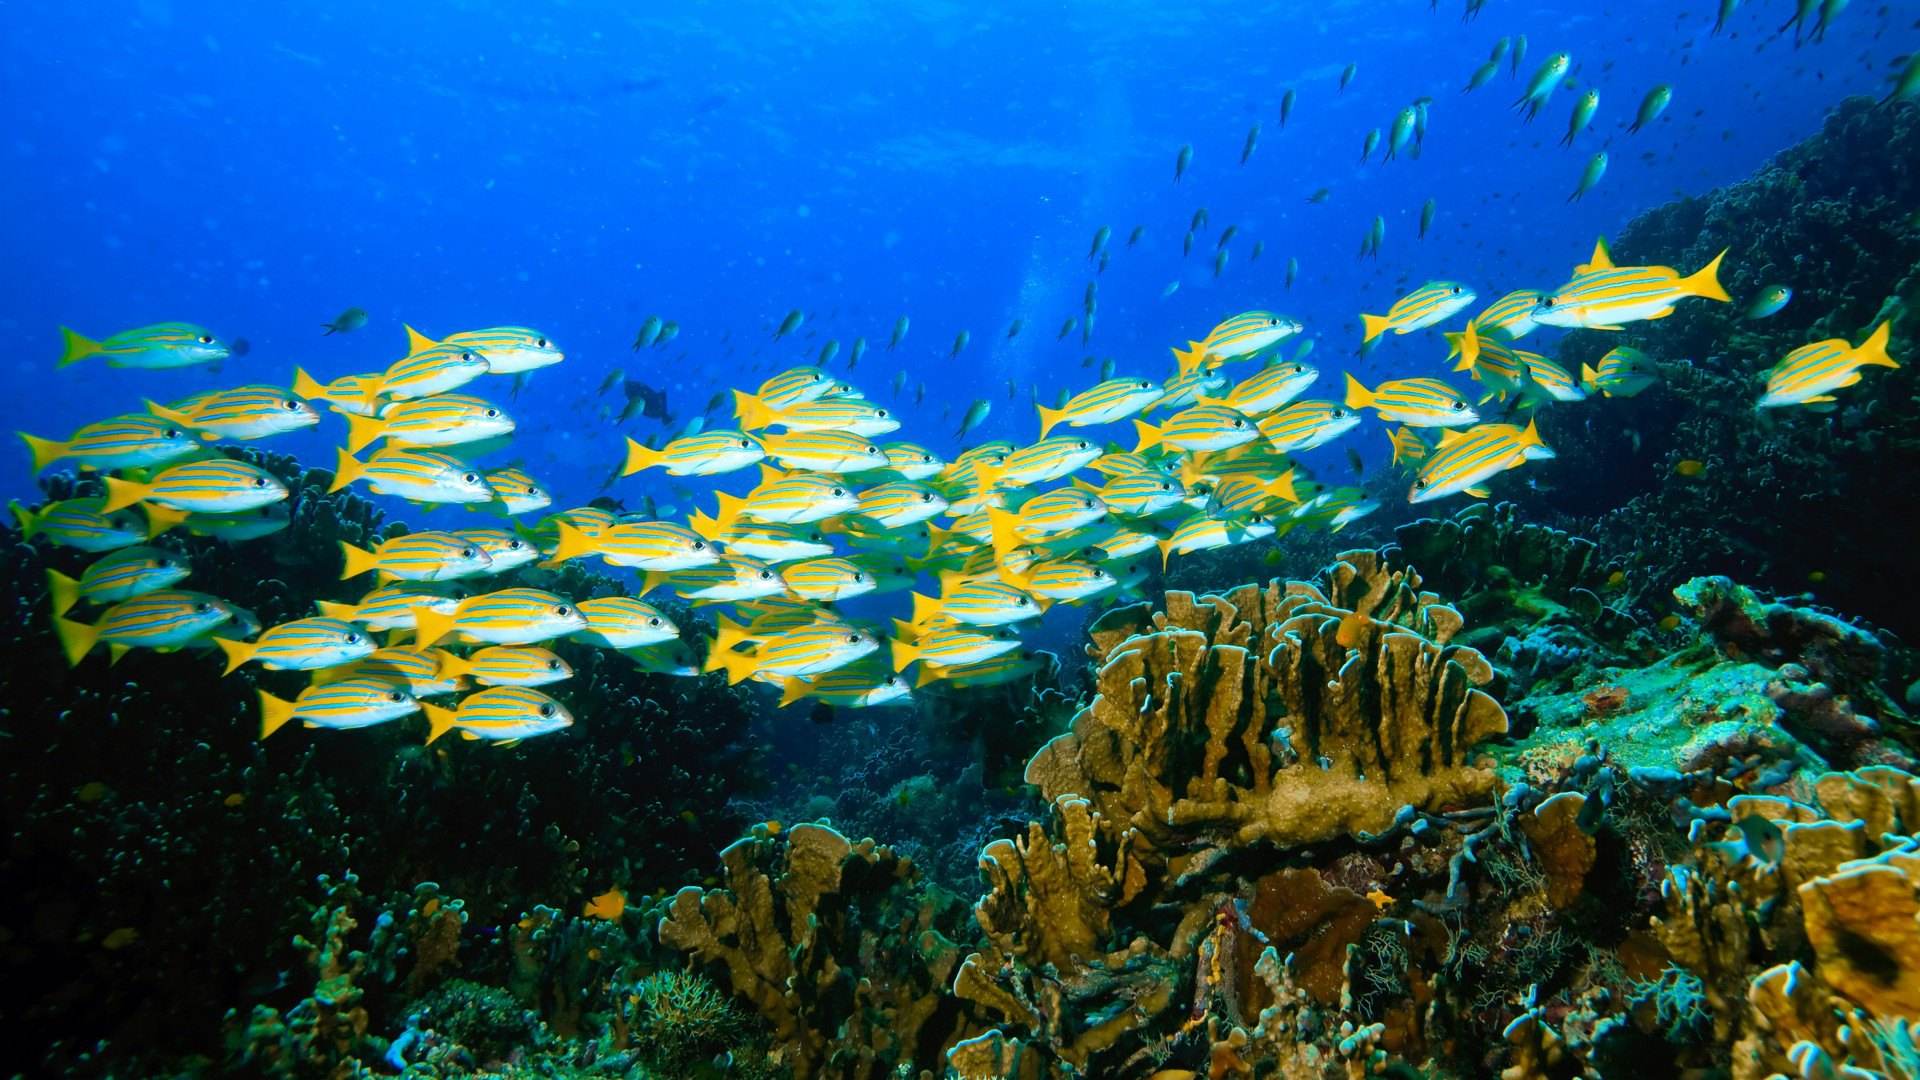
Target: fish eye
<point x="491" y="413"/>
<point x="891" y="680"/>
<point x="1420" y="484"/>
<point x="471" y="478"/>
<point x="468" y="553"/>
<point x="352" y="639"/>
<point x="563" y="611"/>
<point x="699" y="545"/>
<point x="1273" y="322"/>
<point x="1022" y="602"/>
<point x="1456" y="290"/>
<point x="880" y="413"/>
<point x="1145" y="385"/>
<point x="653" y="620"/>
<point x="1166" y="485"/>
<point x="514" y="544"/>
<point x="871" y="449"/>
<point x="1339" y="414"/>
<point x="1091" y="503"/>
<point x="206" y="339"/>
<point x="540" y="343"/>
<point x="1238" y="424"/>
<point x="396" y="697"/>
<point x="853" y="639"/>
<point x="1098" y="573"/>
<point x="553" y="664"/>
<point x="291" y="405"/>
<point x="926" y="459"/>
<point x="766" y="575"/>
<point x="546" y="711"/>
<point x="1083" y="445"/>
<point x="1546" y="301"/>
<point x="839" y="493"/>
<point x="259" y="481"/>
<point x="1458" y="405"/>
<point x="858" y="577"/>
<point x="203" y="607"/>
<point x="926" y="496"/>
<point x="171" y="433"/>
<point x="746" y="444"/>
<point x="468" y="356"/>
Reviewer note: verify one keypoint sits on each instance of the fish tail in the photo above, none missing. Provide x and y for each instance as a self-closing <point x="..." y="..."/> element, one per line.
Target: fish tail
<point x="752" y="410"/>
<point x="122" y="494"/>
<point x="1531" y="436"/>
<point x="904" y="653"/>
<point x="171" y="415"/>
<point x="162" y="518"/>
<point x="362" y="431"/>
<point x="572" y="544"/>
<point x="1705" y="283"/>
<point x="334" y="610"/>
<point x="238" y="653"/>
<point x="705" y="527"/>
<point x="346" y="469"/>
<point x="358" y="561"/>
<point x="430" y="626"/>
<point x="1873" y="351"/>
<point x="1357" y="395"/>
<point x="1281" y="487"/>
<point x="45" y="451"/>
<point x="29" y="521"/>
<point x="651" y="580"/>
<point x="77" y="639"/>
<point x="439" y="721"/>
<point x="63" y="591"/>
<point x="447" y="665"/>
<point x="274" y="713"/>
<point x="1048" y="418"/>
<point x="1150" y="436"/>
<point x="1373" y="325"/>
<point x="76" y="347"/>
<point x="305" y="386"/>
<point x="417" y="341"/>
<point x="727" y="510"/>
<point x="793" y="690"/>
<point x="640" y="457"/>
<point x="738" y="666"/>
<point x="1166" y="552"/>
<point x="1190" y="357"/>
<point x="924" y="609"/>
<point x="1589" y="378"/>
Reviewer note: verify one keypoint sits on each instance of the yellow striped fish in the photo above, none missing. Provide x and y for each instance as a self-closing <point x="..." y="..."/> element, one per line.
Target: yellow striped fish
<point x="642" y="545"/>
<point x="852" y="415"/>
<point x="1240" y="496"/>
<point x="213" y="486"/>
<point x="1236" y="339"/>
<point x="505" y="551"/>
<point x="1409" y="448"/>
<point x="518" y="616"/>
<point x="1204" y="533"/>
<point x="502" y="715"/>
<point x="1046" y="460"/>
<point x="1114" y="399"/>
<point x="1495" y="365"/>
<point x="518" y="493"/>
<point x="121" y="575"/>
<point x="81" y="523"/>
<point x="430" y="371"/>
<point x="1066" y="580"/>
<point x="946" y="644"/>
<point x="347" y="394"/>
<point x="708" y="453"/>
<point x="1203" y="427"/>
<point x="623" y="622"/>
<point x="1141" y="494"/>
<point x="162" y="345"/>
<point x="1304" y="425"/>
<point x="976" y="602"/>
<point x="246" y="525"/>
<point x="132" y="441"/>
<point x="890" y="573"/>
<point x="243" y="413"/>
<point x="1434" y="302"/>
<point x="794" y="386"/>
<point x="508" y="350"/>
<point x="811" y="649"/>
<point x="824" y="451"/>
<point x="911" y="461"/>
<point x="1126" y="543"/>
<point x="1510" y="317"/>
<point x="670" y="658"/>
<point x="1622" y="372"/>
<point x="1604" y="297"/>
<point x="1267" y="389"/>
<point x="1418" y="402"/>
<point x="509" y="665"/>
<point x="162" y="619"/>
<point x="1810" y="373"/>
<point x="1048" y="513"/>
<point x="1117" y="463"/>
<point x="1188" y="388"/>
<point x="900" y="504"/>
<point x="788" y="499"/>
<point x="859" y="686"/>
<point x="826" y="580"/>
<point x="391" y="607"/>
<point x="995" y="671"/>
<point x="422" y="476"/>
<point x="1531" y="449"/>
<point x="349" y="703"/>
<point x="440" y="420"/>
<point x="763" y="540"/>
<point x="418" y="671"/>
<point x="421" y="556"/>
<point x="300" y="645"/>
<point x="1547" y="380"/>
<point x="1474" y="457"/>
<point x="736" y="577"/>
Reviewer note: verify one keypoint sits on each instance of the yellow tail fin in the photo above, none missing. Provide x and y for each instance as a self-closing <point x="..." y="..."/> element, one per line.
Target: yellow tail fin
<point x="45" y="451"/>
<point x="705" y="527"/>
<point x="727" y="511"/>
<point x="64" y="592"/>
<point x="1166" y="552"/>
<point x="333" y="610"/>
<point x="362" y="431"/>
<point x="430" y="626"/>
<point x="1357" y="395"/>
<point x="122" y="494"/>
<point x="448" y="665"/>
<point x="1190" y="357"/>
<point x="753" y="411"/>
<point x="274" y="713"/>
<point x="640" y="457"/>
<point x="238" y="653"/>
<point x="75" y="348"/>
<point x="359" y="561"/>
<point x="651" y="580"/>
<point x="1281" y="487"/>
<point x="1150" y="436"/>
<point x="346" y="469"/>
<point x="1373" y="325"/>
<point x="161" y="518"/>
<point x="738" y="666"/>
<point x="573" y="543"/>
<point x="904" y="653"/>
<point x="924" y="608"/>
<point x="1873" y="351"/>
<point x="929" y="673"/>
<point x="439" y="721"/>
<point x="1589" y="378"/>
<point x="76" y="638"/>
<point x="170" y="415"/>
<point x="728" y="634"/>
<point x="1706" y="282"/>
<point x="417" y="341"/>
<point x="29" y="521"/>
<point x="793" y="690"/>
<point x="1531" y="436"/>
<point x="1006" y="533"/>
<point x="305" y="386"/>
<point x="1049" y="417"/>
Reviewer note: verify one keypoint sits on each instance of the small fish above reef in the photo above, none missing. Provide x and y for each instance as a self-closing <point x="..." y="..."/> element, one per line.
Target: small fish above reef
<point x="346" y="322"/>
<point x="1809" y="374"/>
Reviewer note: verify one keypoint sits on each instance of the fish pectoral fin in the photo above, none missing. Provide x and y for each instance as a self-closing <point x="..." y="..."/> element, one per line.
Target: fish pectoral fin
<point x="1605" y="327"/>
<point x="1823" y="398"/>
<point x="1661" y="314"/>
<point x="1478" y="492"/>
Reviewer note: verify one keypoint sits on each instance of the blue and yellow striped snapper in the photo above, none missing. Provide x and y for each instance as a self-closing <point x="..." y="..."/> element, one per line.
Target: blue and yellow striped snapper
<point x="824" y="451"/>
<point x="132" y="441"/>
<point x="243" y="413"/>
<point x="1201" y="428"/>
<point x="422" y="476"/>
<point x="1267" y="389"/>
<point x="968" y="530"/>
<point x="1809" y="374"/>
<point x="162" y="345"/>
<point x="1304" y="425"/>
<point x="1548" y="380"/>
<point x="735" y="577"/>
<point x="246" y="525"/>
<point x="812" y="649"/>
<point x="423" y="374"/>
<point x="992" y="453"/>
<point x="1254" y="459"/>
<point x="1334" y="510"/>
<point x="1434" y="302"/>
<point x="1236" y="339"/>
<point x="1104" y="403"/>
<point x="121" y="575"/>
<point x="418" y="671"/>
<point x="1066" y="580"/>
<point x="762" y="540"/>
<point x="1188" y="388"/>
<point x="508" y="665"/>
<point x="1622" y="372"/>
<point x="642" y="545"/>
<point x="946" y="643"/>
<point x="300" y="645"/>
<point x="82" y="524"/>
<point x="667" y="658"/>
<point x="707" y="453"/>
<point x="212" y="486"/>
<point x="1049" y="512"/>
<point x="508" y="350"/>
<point x="1008" y="667"/>
<point x="975" y="601"/>
<point x="421" y="556"/>
<point x="1493" y="363"/>
<point x="859" y="686"/>
<point x="1240" y="496"/>
<point x="851" y="415"/>
<point x="1126" y="543"/>
<point x="890" y="573"/>
<point x="1141" y="494"/>
<point x="517" y="492"/>
<point x="1046" y="460"/>
<point x="788" y="499"/>
<point x="1531" y="449"/>
<point x="1510" y="317"/>
<point x="1409" y="449"/>
<point x="1420" y="402"/>
<point x="507" y="551"/>
<point x="391" y="607"/>
<point x="440" y="420"/>
<point x="900" y="504"/>
<point x="517" y="616"/>
<point x="826" y="580"/>
<point x="347" y="394"/>
<point x="1205" y="533"/>
<point x="1607" y="296"/>
<point x="771" y="615"/>
<point x="1471" y="458"/>
<point x="794" y="386"/>
<point x="911" y="461"/>
<point x="349" y="703"/>
<point x="162" y="619"/>
<point x="623" y="622"/>
<point x="1118" y="463"/>
<point x="503" y="715"/>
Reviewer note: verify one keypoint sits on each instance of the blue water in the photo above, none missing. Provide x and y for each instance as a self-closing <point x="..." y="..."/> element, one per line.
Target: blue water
<point x="578" y="167"/>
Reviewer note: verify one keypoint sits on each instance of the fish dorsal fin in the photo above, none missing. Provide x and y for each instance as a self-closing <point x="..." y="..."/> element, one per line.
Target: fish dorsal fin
<point x="1602" y="258"/>
<point x="417" y="341"/>
<point x="1451" y="436"/>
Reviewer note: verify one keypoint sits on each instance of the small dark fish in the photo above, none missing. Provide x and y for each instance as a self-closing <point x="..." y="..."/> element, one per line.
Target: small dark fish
<point x="1067" y="327"/>
<point x="645" y="401"/>
<point x="1101" y="266"/>
<point x="649" y="332"/>
<point x="899" y="333"/>
<point x="919" y="392"/>
<point x="854" y="354"/>
<point x="1014" y="330"/>
<point x="1346" y="77"/>
<point x="1286" y="107"/>
<point x="789" y="324"/>
<point x="1186" y="245"/>
<point x="1090" y="299"/>
<point x="668" y="332"/>
<point x="1426" y="218"/>
<point x="1099" y="241"/>
<point x="1293" y="271"/>
<point x="614" y="378"/>
<point x="1226" y="236"/>
<point x="1253" y="140"/>
<point x="1181" y="161"/>
<point x="1134" y="236"/>
<point x="976" y="413"/>
<point x="1320" y="195"/>
<point x="1219" y="262"/>
<point x="959" y="342"/>
<point x="349" y="320"/>
<point x="827" y="352"/>
<point x="1258" y="247"/>
<point x="1199" y="220"/>
<point x="714" y="402"/>
<point x="899" y="382"/>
